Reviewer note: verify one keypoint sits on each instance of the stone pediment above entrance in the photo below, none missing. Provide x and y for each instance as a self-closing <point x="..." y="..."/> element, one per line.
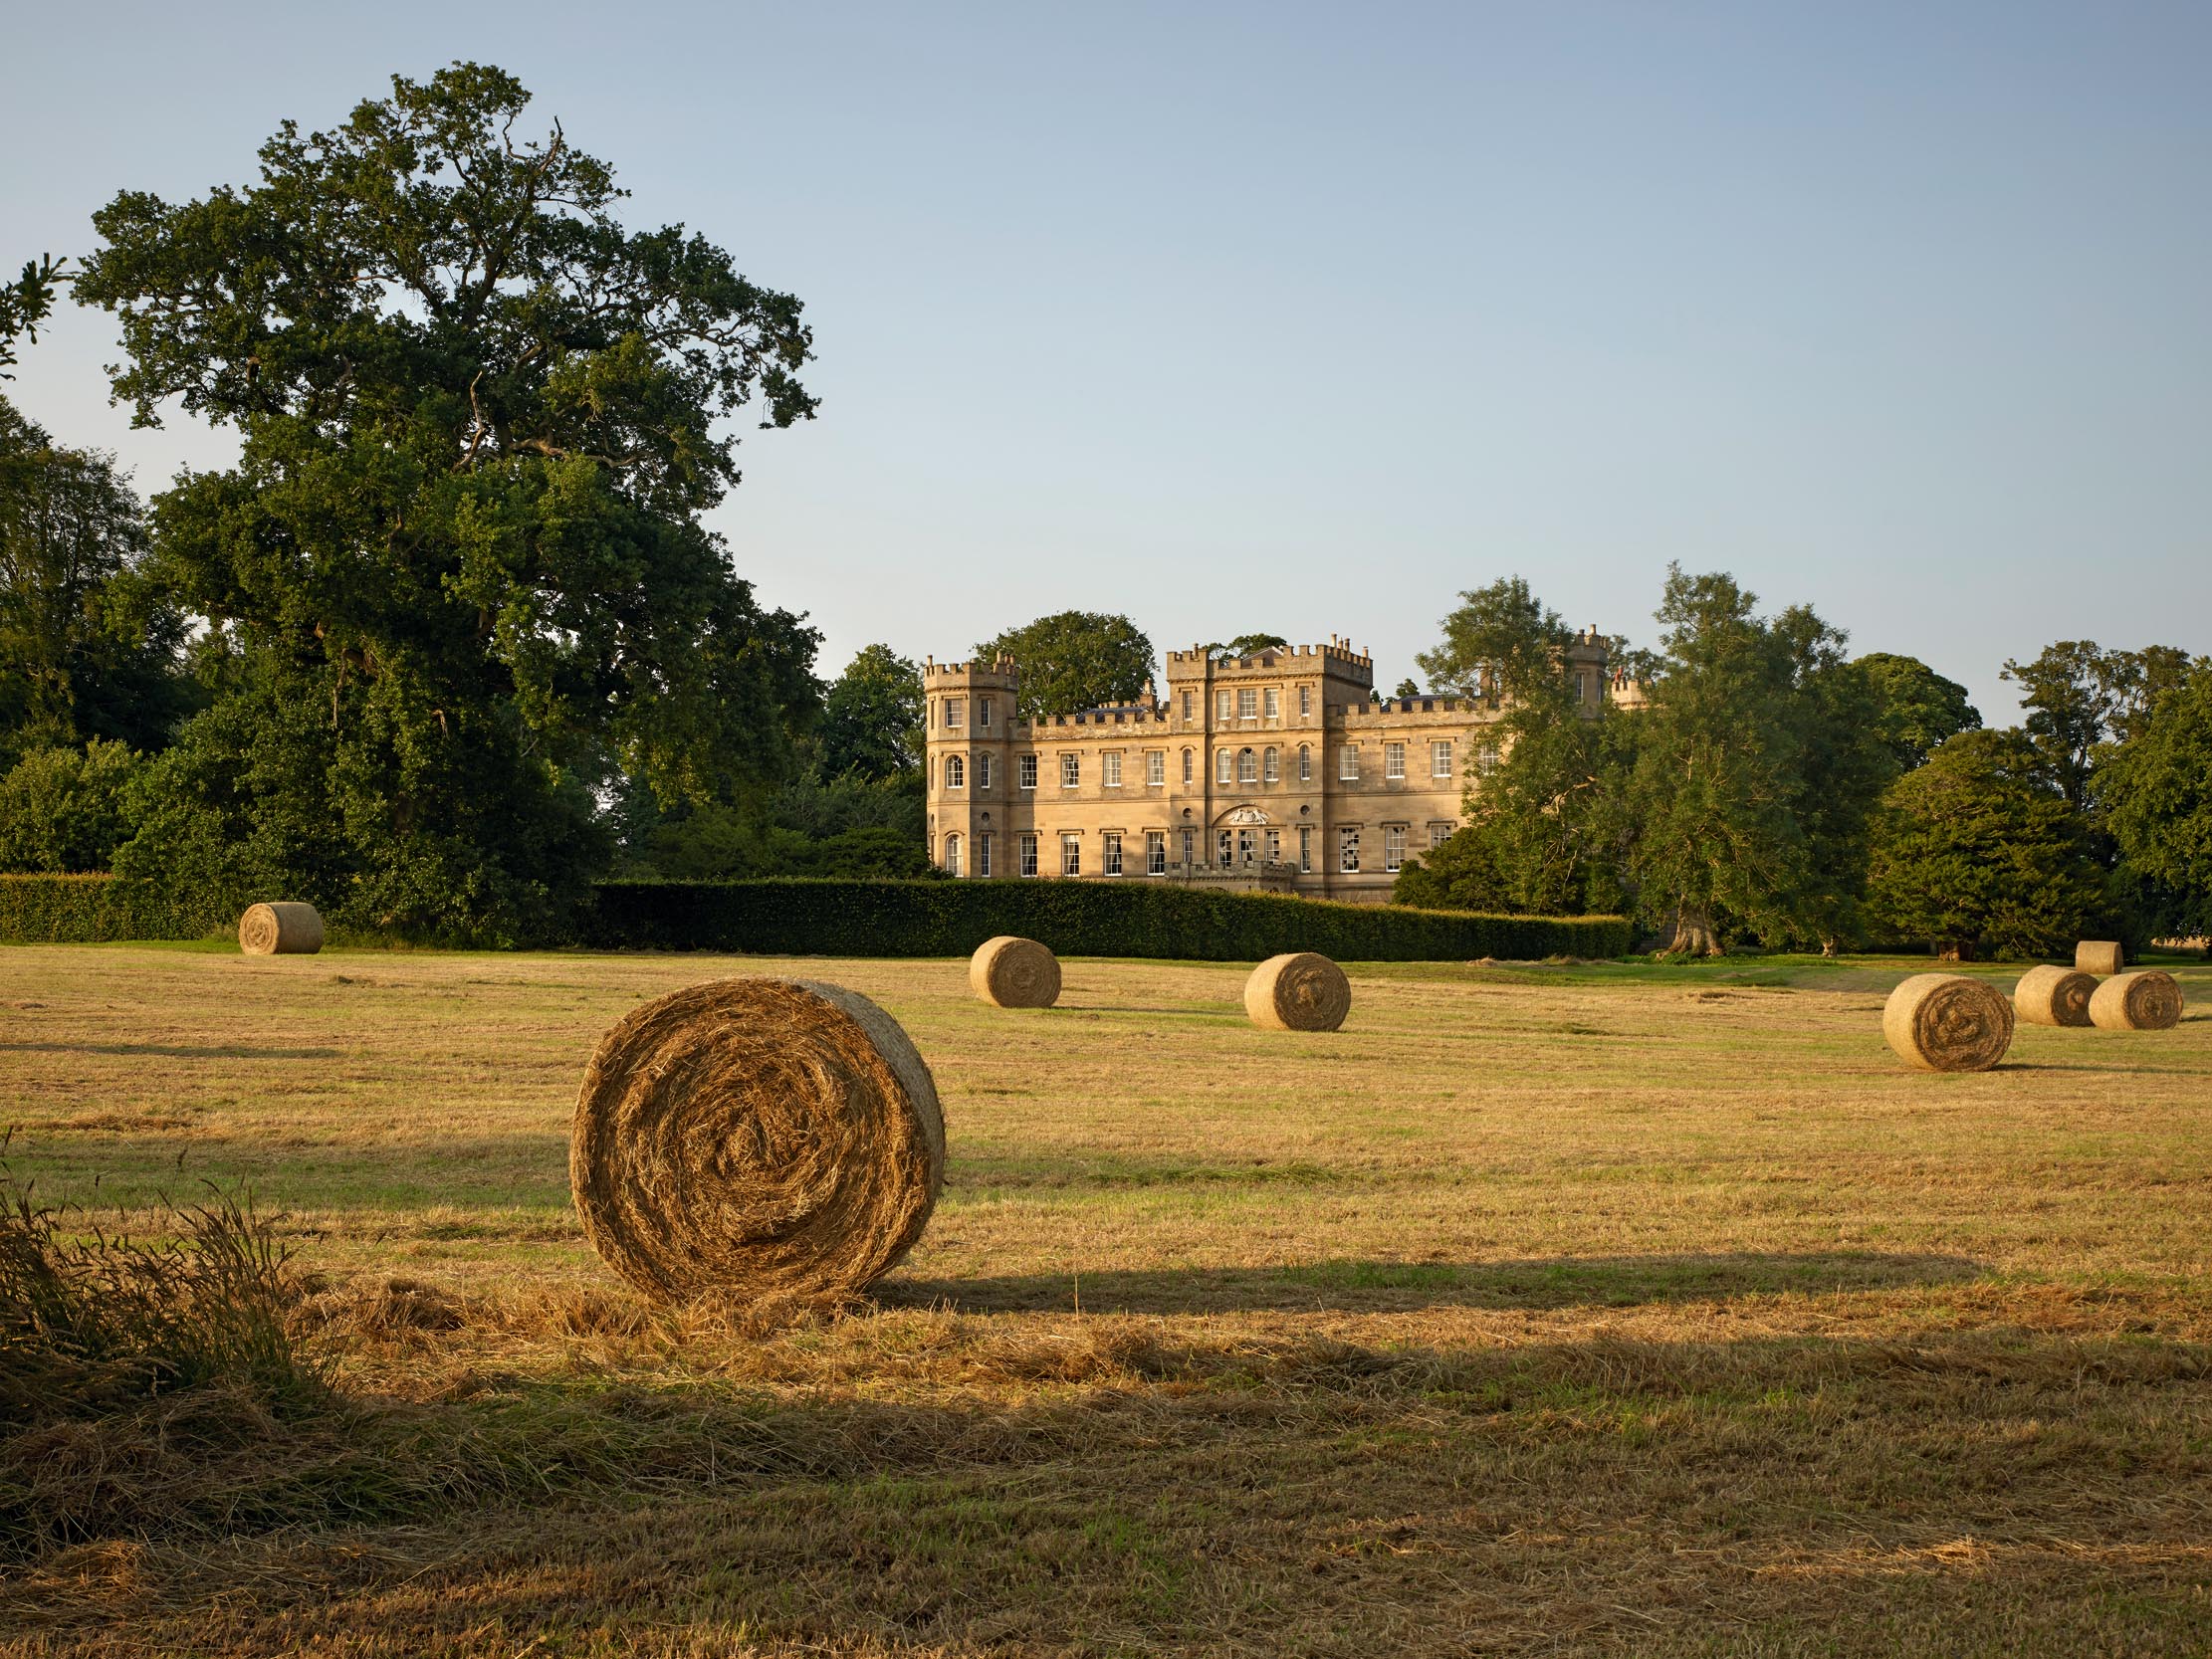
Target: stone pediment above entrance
<point x="1244" y="815"/>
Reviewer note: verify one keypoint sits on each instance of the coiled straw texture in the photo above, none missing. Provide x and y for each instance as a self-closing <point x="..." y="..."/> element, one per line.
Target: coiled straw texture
<point x="758" y="1140"/>
<point x="1948" y="1022"/>
<point x="2100" y="957"/>
<point x="1012" y="972"/>
<point x="1302" y="991"/>
<point x="2146" y="1001"/>
<point x="280" y="929"/>
<point x="2053" y="996"/>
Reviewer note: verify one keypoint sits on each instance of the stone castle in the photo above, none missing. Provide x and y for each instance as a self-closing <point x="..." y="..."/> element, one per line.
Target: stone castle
<point x="1278" y="771"/>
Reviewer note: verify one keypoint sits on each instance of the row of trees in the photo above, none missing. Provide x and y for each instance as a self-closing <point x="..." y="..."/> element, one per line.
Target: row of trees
<point x="1773" y="788"/>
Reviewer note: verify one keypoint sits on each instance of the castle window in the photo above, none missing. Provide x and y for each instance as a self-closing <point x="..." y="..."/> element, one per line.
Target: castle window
<point x="1109" y="769"/>
<point x="983" y="770"/>
<point x="1028" y="854"/>
<point x="1394" y="761"/>
<point x="1306" y="764"/>
<point x="1275" y="846"/>
<point x="1186" y="708"/>
<point x="1486" y="759"/>
<point x="952" y="855"/>
<point x="1221" y="705"/>
<point x="1271" y="764"/>
<point x="1348" y="851"/>
<point x="982" y="713"/>
<point x="1274" y="703"/>
<point x="1111" y="841"/>
<point x="1305" y="849"/>
<point x="1348" y="763"/>
<point x="1393" y="846"/>
<point x="933" y="772"/>
<point x="1247" y="704"/>
<point x="1247" y="767"/>
<point x="1156" y="767"/>
<point x="1187" y="766"/>
<point x="1072" y="770"/>
<point x="956" y="772"/>
<point x="1223" y="764"/>
<point x="1305" y="702"/>
<point x="1026" y="768"/>
<point x="956" y="710"/>
<point x="1438" y="834"/>
<point x="1440" y="758"/>
<point x="1223" y="849"/>
<point x="1189" y="845"/>
<point x="983" y="855"/>
<point x="1071" y="855"/>
<point x="1156" y="852"/>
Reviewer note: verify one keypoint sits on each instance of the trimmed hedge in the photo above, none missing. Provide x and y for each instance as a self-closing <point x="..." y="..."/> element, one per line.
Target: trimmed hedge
<point x="1076" y="918"/>
<point x="92" y="909"/>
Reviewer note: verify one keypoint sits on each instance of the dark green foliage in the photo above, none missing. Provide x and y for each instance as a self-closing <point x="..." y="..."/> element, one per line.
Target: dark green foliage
<point x="1917" y="708"/>
<point x="1076" y="918"/>
<point x="1978" y="852"/>
<point x="87" y="648"/>
<point x="1501" y="642"/>
<point x="1246" y="645"/>
<point x="62" y="809"/>
<point x="2078" y="696"/>
<point x="459" y="568"/>
<point x="24" y="305"/>
<point x="1075" y="660"/>
<point x="1466" y="873"/>
<point x="2156" y="790"/>
<point x="871" y="718"/>
<point x="101" y="910"/>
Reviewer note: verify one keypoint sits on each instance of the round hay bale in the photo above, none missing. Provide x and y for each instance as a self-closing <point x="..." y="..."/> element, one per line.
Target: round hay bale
<point x="1948" y="1022"/>
<point x="2053" y="996"/>
<point x="2100" y="957"/>
<point x="1010" y="972"/>
<point x="762" y="1139"/>
<point x="1301" y="992"/>
<point x="2146" y="1001"/>
<point x="280" y="929"/>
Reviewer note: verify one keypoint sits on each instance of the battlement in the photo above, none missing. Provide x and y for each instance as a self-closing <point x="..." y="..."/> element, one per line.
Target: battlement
<point x="1337" y="658"/>
<point x="1392" y="706"/>
<point x="1135" y="714"/>
<point x="999" y="673"/>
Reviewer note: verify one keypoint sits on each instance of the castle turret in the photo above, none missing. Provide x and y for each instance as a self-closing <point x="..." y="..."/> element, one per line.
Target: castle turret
<point x="970" y="721"/>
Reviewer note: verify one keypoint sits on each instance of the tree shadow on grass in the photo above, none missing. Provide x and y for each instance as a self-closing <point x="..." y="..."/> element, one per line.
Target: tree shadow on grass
<point x="176" y="1051"/>
<point x="1348" y="1286"/>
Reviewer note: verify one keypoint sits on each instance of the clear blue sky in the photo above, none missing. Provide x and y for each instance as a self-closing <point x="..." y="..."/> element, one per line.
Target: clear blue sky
<point x="1296" y="318"/>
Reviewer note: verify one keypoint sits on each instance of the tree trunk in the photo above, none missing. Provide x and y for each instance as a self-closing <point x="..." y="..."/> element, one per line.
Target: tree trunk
<point x="1955" y="951"/>
<point x="1693" y="933"/>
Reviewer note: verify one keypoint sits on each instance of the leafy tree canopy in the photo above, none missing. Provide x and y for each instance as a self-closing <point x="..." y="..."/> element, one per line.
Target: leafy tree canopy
<point x="64" y="809"/>
<point x="1918" y="707"/>
<point x="459" y="563"/>
<point x="1978" y="853"/>
<point x="24" y="305"/>
<point x="2078" y="696"/>
<point x="1075" y="660"/>
<point x="87" y="647"/>
<point x="1502" y="641"/>
<point x="1246" y="645"/>
<point x="2156" y="792"/>
<point x="871" y="718"/>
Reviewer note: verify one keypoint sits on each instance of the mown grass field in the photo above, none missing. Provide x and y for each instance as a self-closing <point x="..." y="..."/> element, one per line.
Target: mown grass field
<point x="1582" y="1309"/>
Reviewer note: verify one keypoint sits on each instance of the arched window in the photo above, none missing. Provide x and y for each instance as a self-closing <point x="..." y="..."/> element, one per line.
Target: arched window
<point x="1271" y="764"/>
<point x="1224" y="761"/>
<point x="952" y="855"/>
<point x="956" y="771"/>
<point x="1247" y="767"/>
<point x="1187" y="758"/>
<point x="1306" y="763"/>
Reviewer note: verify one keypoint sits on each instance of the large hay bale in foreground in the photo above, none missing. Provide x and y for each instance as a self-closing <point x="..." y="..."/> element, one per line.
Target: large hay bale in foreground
<point x="2146" y="1001"/>
<point x="280" y="929"/>
<point x="1948" y="1022"/>
<point x="2053" y="996"/>
<point x="761" y="1139"/>
<point x="1301" y="992"/>
<point x="2100" y="957"/>
<point x="1012" y="972"/>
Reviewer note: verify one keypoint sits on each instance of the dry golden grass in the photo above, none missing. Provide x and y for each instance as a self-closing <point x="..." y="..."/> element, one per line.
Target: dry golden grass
<point x="1616" y="1308"/>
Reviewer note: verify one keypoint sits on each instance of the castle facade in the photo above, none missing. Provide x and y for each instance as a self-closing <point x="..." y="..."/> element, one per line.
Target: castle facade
<point x="1278" y="771"/>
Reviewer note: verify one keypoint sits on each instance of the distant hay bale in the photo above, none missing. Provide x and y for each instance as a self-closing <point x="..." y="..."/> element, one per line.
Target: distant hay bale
<point x="2100" y="957"/>
<point x="1010" y="972"/>
<point x="1948" y="1022"/>
<point x="759" y="1140"/>
<point x="280" y="929"/>
<point x="1301" y="992"/>
<point x="2053" y="996"/>
<point x="2146" y="1001"/>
